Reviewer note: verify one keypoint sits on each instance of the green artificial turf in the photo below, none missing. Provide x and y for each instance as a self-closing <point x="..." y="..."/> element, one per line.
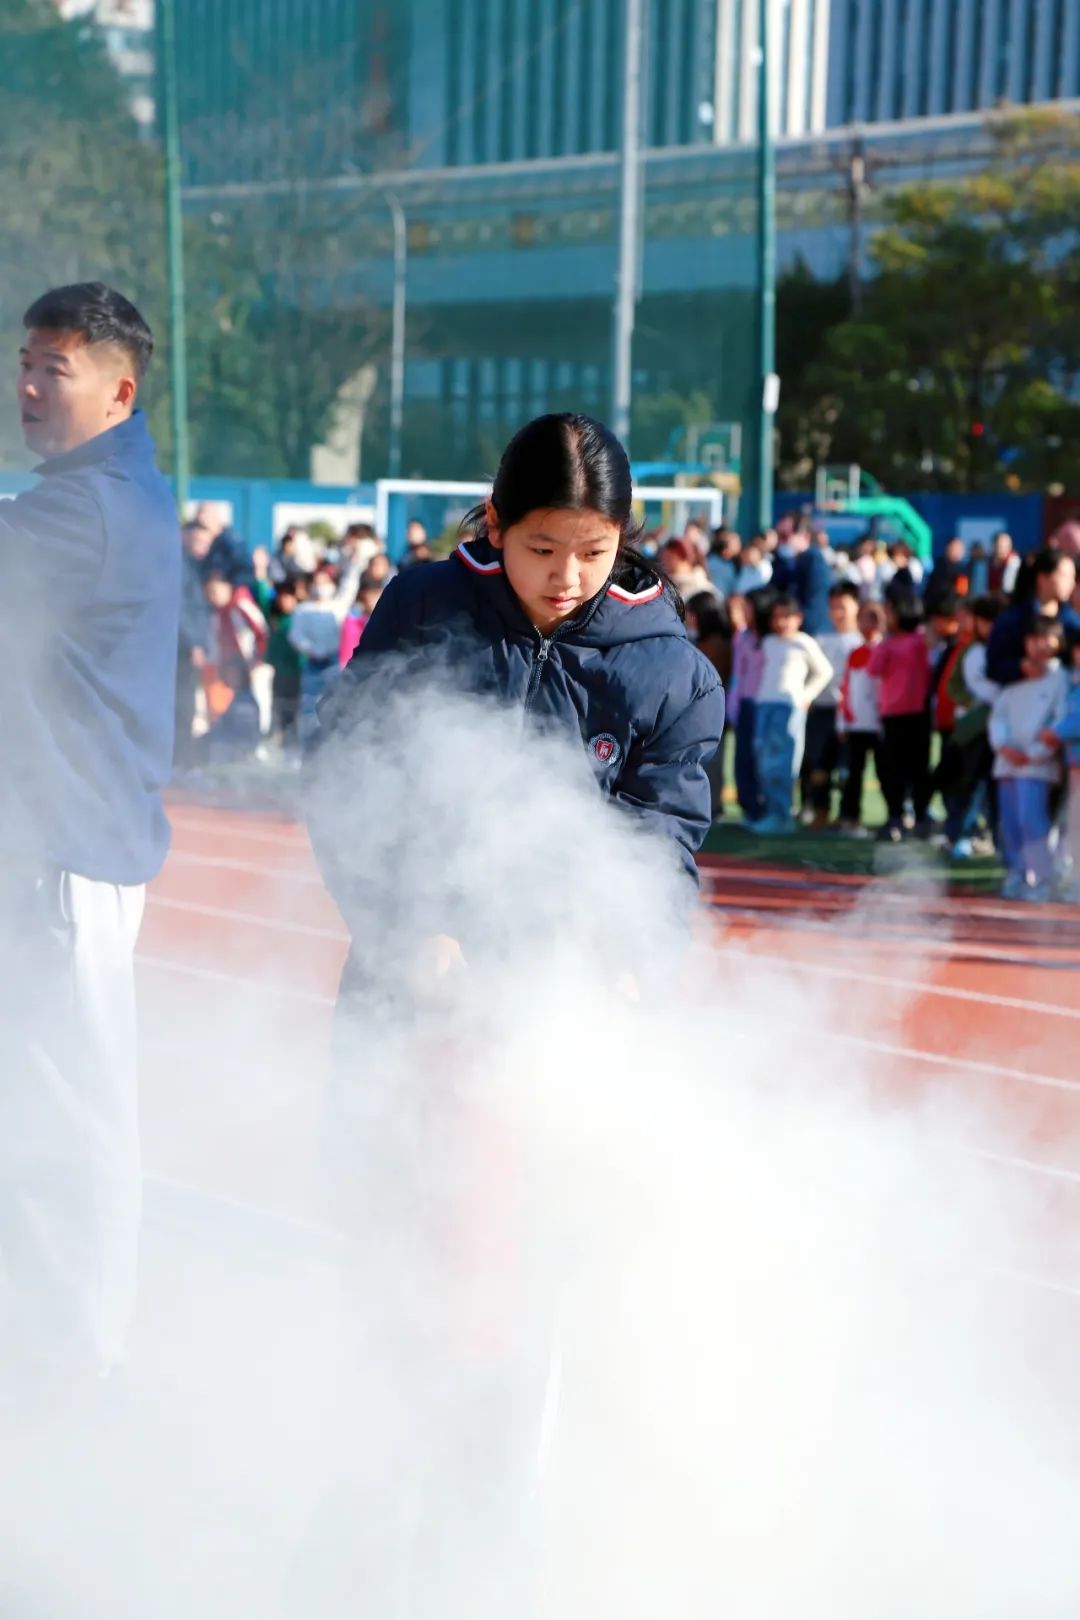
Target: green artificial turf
<point x="913" y="860"/>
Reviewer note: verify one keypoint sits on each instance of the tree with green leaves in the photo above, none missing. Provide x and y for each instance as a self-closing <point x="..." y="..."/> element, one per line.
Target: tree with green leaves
<point x="963" y="369"/>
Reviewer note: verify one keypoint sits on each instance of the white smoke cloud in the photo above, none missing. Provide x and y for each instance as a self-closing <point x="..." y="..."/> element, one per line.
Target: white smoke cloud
<point x="643" y="1308"/>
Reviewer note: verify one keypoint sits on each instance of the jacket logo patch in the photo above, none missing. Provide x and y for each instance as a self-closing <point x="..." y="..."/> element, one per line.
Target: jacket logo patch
<point x="604" y="748"/>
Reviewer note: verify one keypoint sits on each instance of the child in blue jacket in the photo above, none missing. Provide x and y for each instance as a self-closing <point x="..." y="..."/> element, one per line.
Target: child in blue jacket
<point x="547" y="606"/>
<point x="1064" y="735"/>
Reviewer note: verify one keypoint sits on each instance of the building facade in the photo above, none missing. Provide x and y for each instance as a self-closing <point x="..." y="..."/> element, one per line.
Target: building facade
<point x="894" y="60"/>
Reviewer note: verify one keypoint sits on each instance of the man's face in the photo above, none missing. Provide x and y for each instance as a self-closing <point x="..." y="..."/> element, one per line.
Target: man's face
<point x="70" y="390"/>
<point x="1002" y="547"/>
<point x="843" y="613"/>
<point x="218" y="593"/>
<point x="416" y="534"/>
<point x="954" y="551"/>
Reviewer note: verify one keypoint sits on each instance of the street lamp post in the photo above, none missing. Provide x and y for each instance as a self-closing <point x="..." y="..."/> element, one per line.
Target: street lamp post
<point x="766" y="244"/>
<point x="626" y="276"/>
<point x="174" y="247"/>
<point x="397" y="339"/>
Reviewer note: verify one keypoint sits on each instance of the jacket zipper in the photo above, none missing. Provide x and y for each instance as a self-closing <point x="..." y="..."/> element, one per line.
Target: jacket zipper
<point x="537" y="670"/>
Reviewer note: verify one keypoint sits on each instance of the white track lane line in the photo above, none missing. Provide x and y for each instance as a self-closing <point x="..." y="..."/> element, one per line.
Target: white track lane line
<point x="993" y="1071"/>
<point x="235" y="981"/>
<point x="229" y="863"/>
<point x="1033" y="1167"/>
<point x="197" y="908"/>
<point x="953" y="949"/>
<point x="887" y="1048"/>
<point x="949" y="905"/>
<point x="296" y="838"/>
<point x="947" y="992"/>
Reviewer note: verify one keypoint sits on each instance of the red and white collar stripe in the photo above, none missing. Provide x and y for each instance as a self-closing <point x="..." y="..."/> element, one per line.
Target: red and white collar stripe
<point x="477" y="567"/>
<point x="619" y="592"/>
<point x="635" y="598"/>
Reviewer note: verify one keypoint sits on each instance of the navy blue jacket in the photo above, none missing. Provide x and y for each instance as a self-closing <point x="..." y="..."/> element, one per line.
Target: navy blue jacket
<point x="812" y="583"/>
<point x="621" y="678"/>
<point x="92" y="560"/>
<point x="1005" y="649"/>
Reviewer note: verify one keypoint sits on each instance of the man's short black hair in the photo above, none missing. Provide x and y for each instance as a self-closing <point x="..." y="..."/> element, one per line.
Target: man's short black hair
<point x="99" y="314"/>
<point x="844" y="587"/>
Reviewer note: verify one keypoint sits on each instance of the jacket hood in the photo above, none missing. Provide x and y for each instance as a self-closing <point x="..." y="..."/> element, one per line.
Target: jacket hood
<point x="634" y="607"/>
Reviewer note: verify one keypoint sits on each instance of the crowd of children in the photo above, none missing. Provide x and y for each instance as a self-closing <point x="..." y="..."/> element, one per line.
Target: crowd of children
<point x="263" y="636"/>
<point x="966" y="705"/>
<point x="958" y="685"/>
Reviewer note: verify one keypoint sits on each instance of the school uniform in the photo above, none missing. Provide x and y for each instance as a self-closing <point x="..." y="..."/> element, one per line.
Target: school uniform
<point x="794" y="672"/>
<point x="859" y="719"/>
<point x="86" y="732"/>
<point x="1019" y="714"/>
<point x="1067" y="729"/>
<point x="621" y="679"/>
<point x="901" y="664"/>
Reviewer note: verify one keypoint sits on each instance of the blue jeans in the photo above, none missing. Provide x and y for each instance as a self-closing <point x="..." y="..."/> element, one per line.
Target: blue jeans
<point x="1024" y="826"/>
<point x="779" y="737"/>
<point x="317" y="676"/>
<point x="747" y="786"/>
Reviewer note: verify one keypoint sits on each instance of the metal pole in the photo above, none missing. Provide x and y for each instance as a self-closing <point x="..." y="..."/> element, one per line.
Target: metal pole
<point x="174" y="247"/>
<point x="397" y="340"/>
<point x="626" y="275"/>
<point x="766" y="312"/>
<point x="856" y="196"/>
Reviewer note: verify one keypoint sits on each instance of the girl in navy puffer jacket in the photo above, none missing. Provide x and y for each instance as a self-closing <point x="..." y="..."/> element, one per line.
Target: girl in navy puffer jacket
<point x="547" y="607"/>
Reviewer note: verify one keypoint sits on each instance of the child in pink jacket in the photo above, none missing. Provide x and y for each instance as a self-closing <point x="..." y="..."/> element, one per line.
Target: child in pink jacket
<point x="901" y="664"/>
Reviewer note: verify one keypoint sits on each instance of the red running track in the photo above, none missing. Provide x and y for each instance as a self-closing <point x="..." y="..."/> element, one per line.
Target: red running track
<point x="242" y="947"/>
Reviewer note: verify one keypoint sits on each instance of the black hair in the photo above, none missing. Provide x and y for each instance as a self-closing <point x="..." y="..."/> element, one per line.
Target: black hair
<point x="986" y="607"/>
<point x="844" y="587"/>
<point x="786" y="603"/>
<point x="944" y="605"/>
<point x="713" y="618"/>
<point x="1036" y="565"/>
<point x="568" y="462"/>
<point x="98" y="314"/>
<point x="760" y="603"/>
<point x="1072" y="641"/>
<point x="1045" y="624"/>
<point x="908" y="610"/>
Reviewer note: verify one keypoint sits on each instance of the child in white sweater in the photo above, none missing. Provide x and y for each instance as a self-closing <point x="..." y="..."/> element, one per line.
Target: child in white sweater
<point x="1024" y="766"/>
<point x="794" y="672"/>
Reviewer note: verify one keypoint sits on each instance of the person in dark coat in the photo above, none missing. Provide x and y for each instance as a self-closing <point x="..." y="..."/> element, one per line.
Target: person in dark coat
<point x="1044" y="586"/>
<point x="547" y="608"/>
<point x="92" y="555"/>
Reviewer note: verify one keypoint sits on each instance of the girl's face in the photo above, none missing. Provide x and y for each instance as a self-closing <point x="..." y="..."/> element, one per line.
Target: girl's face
<point x="869" y="623"/>
<point x="892" y="623"/>
<point x="738" y="613"/>
<point x="555" y="560"/>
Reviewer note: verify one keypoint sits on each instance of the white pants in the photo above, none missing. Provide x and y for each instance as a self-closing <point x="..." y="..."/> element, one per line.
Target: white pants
<point x="70" y="1172"/>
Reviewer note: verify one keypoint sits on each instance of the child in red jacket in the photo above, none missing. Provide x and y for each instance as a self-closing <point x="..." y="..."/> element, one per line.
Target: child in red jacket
<point x="901" y="663"/>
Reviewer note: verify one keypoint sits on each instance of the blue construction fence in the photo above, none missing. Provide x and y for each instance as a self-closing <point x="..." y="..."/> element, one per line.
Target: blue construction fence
<point x="1028" y="518"/>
